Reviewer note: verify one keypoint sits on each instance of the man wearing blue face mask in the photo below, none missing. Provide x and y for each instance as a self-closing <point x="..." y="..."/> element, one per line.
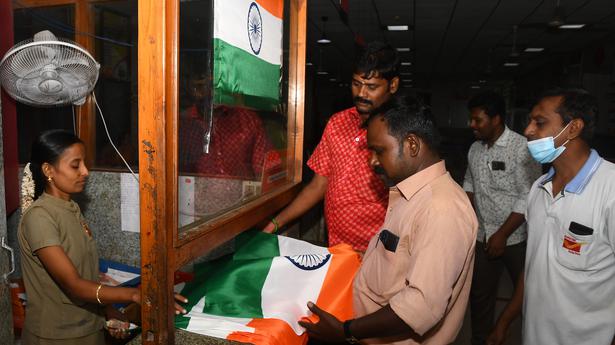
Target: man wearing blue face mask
<point x="568" y="290"/>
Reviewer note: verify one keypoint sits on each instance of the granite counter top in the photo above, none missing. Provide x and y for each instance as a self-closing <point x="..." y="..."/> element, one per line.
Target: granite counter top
<point x="188" y="338"/>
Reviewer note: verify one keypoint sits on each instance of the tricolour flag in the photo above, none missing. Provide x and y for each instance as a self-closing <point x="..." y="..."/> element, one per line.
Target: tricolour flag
<point x="258" y="294"/>
<point x="248" y="52"/>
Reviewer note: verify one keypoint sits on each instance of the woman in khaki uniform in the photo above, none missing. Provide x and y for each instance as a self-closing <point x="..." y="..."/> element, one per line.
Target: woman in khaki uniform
<point x="58" y="254"/>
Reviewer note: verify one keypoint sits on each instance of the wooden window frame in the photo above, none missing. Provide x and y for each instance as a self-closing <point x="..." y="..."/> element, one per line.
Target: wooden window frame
<point x="162" y="250"/>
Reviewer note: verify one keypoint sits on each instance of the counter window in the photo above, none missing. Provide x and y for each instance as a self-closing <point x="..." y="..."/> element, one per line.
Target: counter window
<point x="232" y="135"/>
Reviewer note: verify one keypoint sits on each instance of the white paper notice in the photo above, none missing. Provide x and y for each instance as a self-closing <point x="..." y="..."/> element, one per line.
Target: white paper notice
<point x="186" y="200"/>
<point x="129" y="203"/>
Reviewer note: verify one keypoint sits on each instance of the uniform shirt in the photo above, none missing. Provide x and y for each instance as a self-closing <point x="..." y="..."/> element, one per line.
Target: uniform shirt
<point x="238" y="144"/>
<point x="51" y="313"/>
<point x="427" y="278"/>
<point x="570" y="269"/>
<point x="500" y="177"/>
<point x="355" y="200"/>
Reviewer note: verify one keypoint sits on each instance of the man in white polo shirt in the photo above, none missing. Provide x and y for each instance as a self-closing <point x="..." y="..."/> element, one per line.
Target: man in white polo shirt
<point x="569" y="288"/>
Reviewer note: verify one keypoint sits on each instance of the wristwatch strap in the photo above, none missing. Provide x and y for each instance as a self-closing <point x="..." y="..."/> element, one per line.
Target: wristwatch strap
<point x="349" y="337"/>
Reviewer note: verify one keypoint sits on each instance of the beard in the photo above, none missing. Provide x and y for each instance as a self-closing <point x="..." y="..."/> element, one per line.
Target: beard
<point x="384" y="177"/>
<point x="359" y="101"/>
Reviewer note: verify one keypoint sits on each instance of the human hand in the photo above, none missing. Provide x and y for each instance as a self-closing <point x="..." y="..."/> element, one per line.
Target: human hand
<point x="118" y="329"/>
<point x="117" y="323"/>
<point x="178" y="298"/>
<point x="105" y="279"/>
<point x="270" y="228"/>
<point x="497" y="335"/>
<point x="178" y="308"/>
<point x="496" y="245"/>
<point x="328" y="327"/>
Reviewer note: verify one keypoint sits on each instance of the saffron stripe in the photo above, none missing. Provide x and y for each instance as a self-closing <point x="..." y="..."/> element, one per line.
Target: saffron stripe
<point x="275" y="7"/>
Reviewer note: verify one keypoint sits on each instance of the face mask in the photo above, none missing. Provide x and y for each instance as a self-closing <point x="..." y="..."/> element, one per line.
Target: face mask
<point x="544" y="151"/>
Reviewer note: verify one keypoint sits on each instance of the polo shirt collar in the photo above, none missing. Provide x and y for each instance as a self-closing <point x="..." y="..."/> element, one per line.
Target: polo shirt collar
<point x="416" y="182"/>
<point x="582" y="178"/>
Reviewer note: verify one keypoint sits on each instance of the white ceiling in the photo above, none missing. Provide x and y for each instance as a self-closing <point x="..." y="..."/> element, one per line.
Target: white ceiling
<point x="456" y="40"/>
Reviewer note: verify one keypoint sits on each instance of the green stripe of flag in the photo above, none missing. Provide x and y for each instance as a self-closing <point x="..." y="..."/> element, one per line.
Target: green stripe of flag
<point x="241" y="78"/>
<point x="233" y="284"/>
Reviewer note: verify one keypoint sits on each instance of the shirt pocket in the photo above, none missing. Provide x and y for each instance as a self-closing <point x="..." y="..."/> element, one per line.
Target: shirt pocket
<point x="386" y="274"/>
<point x="503" y="180"/>
<point x="574" y="250"/>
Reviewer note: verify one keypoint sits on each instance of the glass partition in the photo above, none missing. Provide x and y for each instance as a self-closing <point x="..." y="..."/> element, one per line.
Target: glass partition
<point x="115" y="25"/>
<point x="233" y="94"/>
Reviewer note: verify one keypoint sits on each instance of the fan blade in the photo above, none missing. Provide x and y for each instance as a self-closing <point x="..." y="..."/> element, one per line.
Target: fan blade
<point x="73" y="81"/>
<point x="79" y="63"/>
<point x="73" y="60"/>
<point x="31" y="59"/>
<point x="30" y="90"/>
<point x="71" y="78"/>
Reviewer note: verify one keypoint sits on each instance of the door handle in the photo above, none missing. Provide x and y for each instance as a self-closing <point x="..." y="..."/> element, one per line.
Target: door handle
<point x="5" y="276"/>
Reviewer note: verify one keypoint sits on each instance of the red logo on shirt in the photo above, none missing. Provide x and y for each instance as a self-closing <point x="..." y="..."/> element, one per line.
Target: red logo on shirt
<point x="573" y="246"/>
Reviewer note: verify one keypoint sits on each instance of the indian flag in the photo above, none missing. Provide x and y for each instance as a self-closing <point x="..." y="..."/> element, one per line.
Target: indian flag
<point x="248" y="52"/>
<point x="258" y="294"/>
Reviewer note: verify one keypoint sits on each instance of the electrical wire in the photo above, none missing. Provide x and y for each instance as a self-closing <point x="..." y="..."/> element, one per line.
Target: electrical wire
<point x="70" y="29"/>
<point x="74" y="121"/>
<point x="54" y="23"/>
<point x="110" y="140"/>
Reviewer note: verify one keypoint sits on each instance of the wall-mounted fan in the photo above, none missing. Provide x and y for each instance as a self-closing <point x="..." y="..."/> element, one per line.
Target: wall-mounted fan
<point x="47" y="71"/>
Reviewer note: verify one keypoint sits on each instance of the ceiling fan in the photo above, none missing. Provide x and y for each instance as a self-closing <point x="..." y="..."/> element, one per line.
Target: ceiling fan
<point x="558" y="21"/>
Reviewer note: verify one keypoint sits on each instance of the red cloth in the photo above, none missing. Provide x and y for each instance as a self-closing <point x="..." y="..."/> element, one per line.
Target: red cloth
<point x="356" y="198"/>
<point x="238" y="143"/>
<point x="9" y="117"/>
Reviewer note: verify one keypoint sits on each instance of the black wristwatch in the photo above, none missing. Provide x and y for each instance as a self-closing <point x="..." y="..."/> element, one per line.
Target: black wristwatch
<point x="350" y="339"/>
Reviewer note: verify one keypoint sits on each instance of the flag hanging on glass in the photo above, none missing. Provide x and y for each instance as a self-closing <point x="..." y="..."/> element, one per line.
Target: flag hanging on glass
<point x="248" y="52"/>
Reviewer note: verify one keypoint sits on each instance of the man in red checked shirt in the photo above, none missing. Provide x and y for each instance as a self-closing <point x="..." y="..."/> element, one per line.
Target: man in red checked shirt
<point x="238" y="142"/>
<point x="355" y="197"/>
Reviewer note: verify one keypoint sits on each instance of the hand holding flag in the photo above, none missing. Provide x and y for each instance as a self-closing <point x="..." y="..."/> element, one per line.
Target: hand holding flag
<point x="327" y="328"/>
<point x="257" y="294"/>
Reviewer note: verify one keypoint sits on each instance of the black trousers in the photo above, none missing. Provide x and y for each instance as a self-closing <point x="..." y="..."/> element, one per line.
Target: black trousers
<point x="485" y="282"/>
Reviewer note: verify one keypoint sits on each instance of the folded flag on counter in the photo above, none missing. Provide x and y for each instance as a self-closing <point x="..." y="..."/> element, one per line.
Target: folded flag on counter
<point x="258" y="294"/>
<point x="248" y="52"/>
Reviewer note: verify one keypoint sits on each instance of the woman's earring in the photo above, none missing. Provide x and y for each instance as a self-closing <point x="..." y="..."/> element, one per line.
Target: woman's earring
<point x="49" y="179"/>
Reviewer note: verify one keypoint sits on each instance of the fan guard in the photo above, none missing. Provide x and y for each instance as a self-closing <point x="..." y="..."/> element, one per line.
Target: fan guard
<point x="48" y="71"/>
